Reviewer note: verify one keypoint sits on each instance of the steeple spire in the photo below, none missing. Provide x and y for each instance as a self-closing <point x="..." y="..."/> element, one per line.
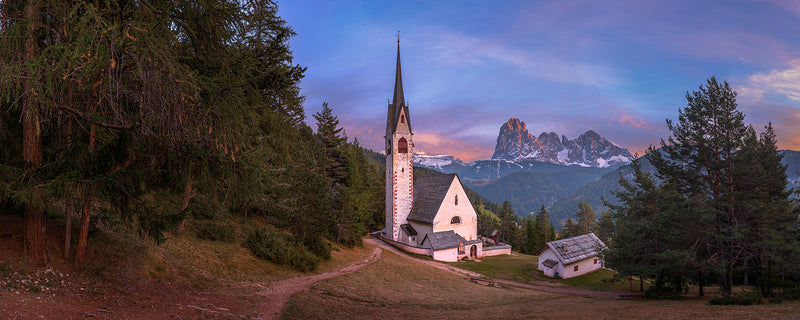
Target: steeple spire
<point x="398" y="99"/>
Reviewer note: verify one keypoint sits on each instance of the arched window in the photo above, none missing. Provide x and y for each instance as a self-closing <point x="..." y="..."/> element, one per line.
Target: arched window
<point x="455" y="220"/>
<point x="402" y="119"/>
<point x="402" y="146"/>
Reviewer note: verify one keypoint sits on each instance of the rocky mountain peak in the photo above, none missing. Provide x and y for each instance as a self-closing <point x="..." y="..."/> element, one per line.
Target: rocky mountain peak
<point x="514" y="142"/>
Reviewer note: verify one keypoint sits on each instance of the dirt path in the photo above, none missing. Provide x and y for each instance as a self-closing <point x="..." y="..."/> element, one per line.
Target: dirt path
<point x="278" y="292"/>
<point x="470" y="274"/>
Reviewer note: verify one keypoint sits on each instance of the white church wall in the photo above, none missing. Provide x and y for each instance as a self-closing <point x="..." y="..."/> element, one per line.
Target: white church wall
<point x="447" y="255"/>
<point x="488" y="252"/>
<point x="468" y="227"/>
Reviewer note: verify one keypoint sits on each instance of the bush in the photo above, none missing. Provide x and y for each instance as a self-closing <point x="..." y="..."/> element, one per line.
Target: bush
<point x="743" y="299"/>
<point x="215" y="232"/>
<point x="271" y="245"/>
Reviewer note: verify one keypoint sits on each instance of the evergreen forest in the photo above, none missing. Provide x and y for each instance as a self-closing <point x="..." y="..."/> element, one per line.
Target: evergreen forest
<point x="138" y="116"/>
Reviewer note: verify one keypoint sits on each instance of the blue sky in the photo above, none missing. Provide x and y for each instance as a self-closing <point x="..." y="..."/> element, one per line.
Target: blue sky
<point x="619" y="68"/>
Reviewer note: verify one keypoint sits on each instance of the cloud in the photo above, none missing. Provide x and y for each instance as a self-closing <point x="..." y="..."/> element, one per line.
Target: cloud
<point x="455" y="49"/>
<point x="466" y="151"/>
<point x="776" y="83"/>
<point x="628" y="120"/>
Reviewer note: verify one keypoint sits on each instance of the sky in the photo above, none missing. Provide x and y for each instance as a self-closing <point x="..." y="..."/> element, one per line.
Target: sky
<point x="620" y="68"/>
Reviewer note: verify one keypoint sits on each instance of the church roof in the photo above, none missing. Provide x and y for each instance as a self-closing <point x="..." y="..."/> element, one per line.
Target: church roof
<point x="398" y="99"/>
<point x="575" y="249"/>
<point x="444" y="239"/>
<point x="429" y="192"/>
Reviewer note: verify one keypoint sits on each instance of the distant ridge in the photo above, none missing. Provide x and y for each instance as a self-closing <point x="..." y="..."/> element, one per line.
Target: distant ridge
<point x="514" y="143"/>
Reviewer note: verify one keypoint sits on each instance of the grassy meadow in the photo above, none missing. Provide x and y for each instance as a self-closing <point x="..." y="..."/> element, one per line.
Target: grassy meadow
<point x="399" y="288"/>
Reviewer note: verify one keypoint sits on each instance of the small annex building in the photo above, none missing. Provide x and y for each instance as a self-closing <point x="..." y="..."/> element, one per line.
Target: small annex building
<point x="571" y="257"/>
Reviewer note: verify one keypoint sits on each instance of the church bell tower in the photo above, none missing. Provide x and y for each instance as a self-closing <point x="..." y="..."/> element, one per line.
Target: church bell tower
<point x="399" y="165"/>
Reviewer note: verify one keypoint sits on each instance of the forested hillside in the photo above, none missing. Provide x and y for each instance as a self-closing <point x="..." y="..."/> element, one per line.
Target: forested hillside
<point x="528" y="191"/>
<point x="138" y="116"/>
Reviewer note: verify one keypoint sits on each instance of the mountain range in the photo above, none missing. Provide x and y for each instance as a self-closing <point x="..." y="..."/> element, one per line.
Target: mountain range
<point x="555" y="172"/>
<point x="515" y="143"/>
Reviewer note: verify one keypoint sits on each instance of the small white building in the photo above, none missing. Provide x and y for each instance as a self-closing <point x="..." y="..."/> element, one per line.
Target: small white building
<point x="571" y="257"/>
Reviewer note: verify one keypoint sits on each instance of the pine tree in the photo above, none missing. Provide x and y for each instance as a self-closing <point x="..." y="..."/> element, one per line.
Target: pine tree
<point x="699" y="160"/>
<point x="329" y="133"/>
<point x="605" y="227"/>
<point x="509" y="226"/>
<point x="586" y="217"/>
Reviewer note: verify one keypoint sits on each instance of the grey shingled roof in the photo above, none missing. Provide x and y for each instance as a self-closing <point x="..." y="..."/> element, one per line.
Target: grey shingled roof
<point x="429" y="193"/>
<point x="444" y="239"/>
<point x="575" y="249"/>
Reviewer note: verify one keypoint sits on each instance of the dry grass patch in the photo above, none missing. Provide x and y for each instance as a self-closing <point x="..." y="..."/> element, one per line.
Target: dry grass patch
<point x="398" y="288"/>
<point x="216" y="263"/>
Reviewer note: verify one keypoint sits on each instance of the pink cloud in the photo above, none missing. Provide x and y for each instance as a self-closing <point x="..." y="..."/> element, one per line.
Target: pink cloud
<point x="629" y="120"/>
<point x="435" y="143"/>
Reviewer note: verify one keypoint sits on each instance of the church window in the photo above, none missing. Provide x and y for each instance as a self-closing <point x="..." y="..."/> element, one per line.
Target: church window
<point x="595" y="261"/>
<point x="575" y="269"/>
<point x="402" y="146"/>
<point x="456" y="199"/>
<point x="402" y="119"/>
<point x="455" y="220"/>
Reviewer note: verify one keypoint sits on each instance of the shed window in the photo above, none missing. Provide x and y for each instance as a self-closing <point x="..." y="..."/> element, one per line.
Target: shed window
<point x="455" y="220"/>
<point x="402" y="146"/>
<point x="575" y="269"/>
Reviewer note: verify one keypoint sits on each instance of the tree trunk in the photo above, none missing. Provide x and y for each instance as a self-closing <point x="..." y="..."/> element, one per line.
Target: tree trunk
<point x="187" y="195"/>
<point x="84" y="228"/>
<point x="35" y="227"/>
<point x="86" y="212"/>
<point x="641" y="283"/>
<point x="700" y="281"/>
<point x="70" y="210"/>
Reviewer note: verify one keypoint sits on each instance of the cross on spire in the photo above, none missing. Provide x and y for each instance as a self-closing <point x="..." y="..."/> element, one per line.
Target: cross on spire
<point x="398" y="36"/>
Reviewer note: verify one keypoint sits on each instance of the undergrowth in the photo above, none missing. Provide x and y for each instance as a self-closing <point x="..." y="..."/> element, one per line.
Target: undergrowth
<point x="280" y="248"/>
<point x="215" y="232"/>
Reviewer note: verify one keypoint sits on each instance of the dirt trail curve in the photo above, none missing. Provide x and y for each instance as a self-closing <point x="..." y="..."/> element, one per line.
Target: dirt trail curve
<point x="278" y="292"/>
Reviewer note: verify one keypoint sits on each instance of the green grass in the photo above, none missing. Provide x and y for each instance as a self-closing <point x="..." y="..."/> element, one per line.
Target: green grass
<point x="518" y="267"/>
<point x="600" y="280"/>
<point x="522" y="268"/>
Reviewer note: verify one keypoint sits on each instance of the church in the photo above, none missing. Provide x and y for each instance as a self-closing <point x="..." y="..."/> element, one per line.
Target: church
<point x="432" y="216"/>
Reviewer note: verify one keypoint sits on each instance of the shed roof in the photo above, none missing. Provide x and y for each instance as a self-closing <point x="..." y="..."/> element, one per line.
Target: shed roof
<point x="549" y="263"/>
<point x="408" y="229"/>
<point x="429" y="192"/>
<point x="444" y="239"/>
<point x="575" y="249"/>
